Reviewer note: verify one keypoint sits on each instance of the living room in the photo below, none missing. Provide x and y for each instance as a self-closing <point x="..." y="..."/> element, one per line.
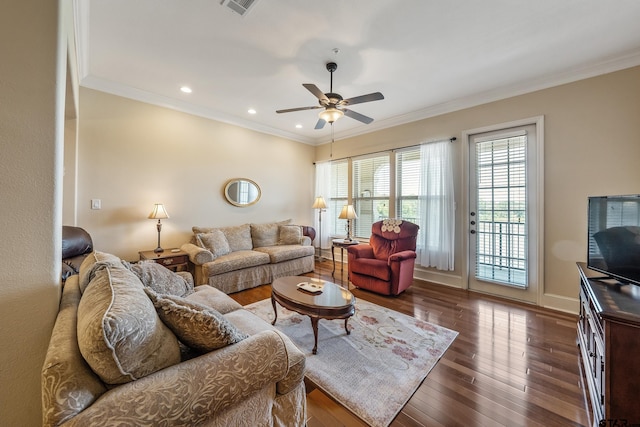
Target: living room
<point x="130" y="154"/>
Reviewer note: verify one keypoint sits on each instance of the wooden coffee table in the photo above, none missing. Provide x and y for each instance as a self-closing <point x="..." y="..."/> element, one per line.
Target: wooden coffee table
<point x="334" y="302"/>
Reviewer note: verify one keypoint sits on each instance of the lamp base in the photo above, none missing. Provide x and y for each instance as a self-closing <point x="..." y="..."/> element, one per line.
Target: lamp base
<point x="158" y="250"/>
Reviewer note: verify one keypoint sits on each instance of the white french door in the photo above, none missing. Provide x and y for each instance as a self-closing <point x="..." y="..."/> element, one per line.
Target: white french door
<point x="503" y="218"/>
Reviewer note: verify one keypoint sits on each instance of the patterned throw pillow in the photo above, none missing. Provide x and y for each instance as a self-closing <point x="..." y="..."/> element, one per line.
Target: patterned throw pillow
<point x="289" y="234"/>
<point x="196" y="325"/>
<point x="120" y="334"/>
<point x="215" y="241"/>
<point x="161" y="279"/>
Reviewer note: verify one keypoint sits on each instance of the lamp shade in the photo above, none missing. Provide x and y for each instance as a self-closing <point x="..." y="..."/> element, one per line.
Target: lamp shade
<point x="347" y="212"/>
<point x="331" y="114"/>
<point x="158" y="212"/>
<point x="319" y="203"/>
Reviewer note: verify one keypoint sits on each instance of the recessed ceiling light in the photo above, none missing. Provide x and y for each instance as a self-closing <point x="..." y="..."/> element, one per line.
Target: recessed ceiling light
<point x="251" y="111"/>
<point x="298" y="126"/>
<point x="186" y="89"/>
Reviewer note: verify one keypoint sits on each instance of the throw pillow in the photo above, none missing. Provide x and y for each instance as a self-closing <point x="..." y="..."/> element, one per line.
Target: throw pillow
<point x="289" y="234"/>
<point x="264" y="235"/>
<point x="215" y="241"/>
<point x="161" y="279"/>
<point x="120" y="334"/>
<point x="239" y="237"/>
<point x="196" y="325"/>
<point x="91" y="263"/>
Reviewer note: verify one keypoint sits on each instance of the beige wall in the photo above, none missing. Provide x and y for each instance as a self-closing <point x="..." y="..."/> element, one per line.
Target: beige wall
<point x="31" y="132"/>
<point x="592" y="147"/>
<point x="132" y="155"/>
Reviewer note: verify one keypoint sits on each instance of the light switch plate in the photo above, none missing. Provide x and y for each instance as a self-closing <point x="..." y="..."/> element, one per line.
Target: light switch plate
<point x="96" y="204"/>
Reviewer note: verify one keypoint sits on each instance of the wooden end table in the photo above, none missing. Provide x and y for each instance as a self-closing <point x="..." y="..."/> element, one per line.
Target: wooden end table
<point x="174" y="260"/>
<point x="342" y="244"/>
<point x="334" y="302"/>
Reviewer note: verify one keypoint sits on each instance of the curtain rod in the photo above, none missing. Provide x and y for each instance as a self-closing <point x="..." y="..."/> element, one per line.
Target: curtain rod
<point x="395" y="149"/>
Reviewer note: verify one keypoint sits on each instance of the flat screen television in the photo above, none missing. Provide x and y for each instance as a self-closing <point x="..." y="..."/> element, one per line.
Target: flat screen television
<point x="614" y="237"/>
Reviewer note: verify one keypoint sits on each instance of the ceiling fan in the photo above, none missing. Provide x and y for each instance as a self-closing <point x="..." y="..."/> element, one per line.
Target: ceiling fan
<point x="333" y="104"/>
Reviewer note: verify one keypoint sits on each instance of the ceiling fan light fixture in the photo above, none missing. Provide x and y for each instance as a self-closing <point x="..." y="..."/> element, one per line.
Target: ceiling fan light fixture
<point x="331" y="114"/>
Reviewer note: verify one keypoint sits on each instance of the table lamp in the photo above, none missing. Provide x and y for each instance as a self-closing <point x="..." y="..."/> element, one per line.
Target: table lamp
<point x="348" y="213"/>
<point x="158" y="212"/>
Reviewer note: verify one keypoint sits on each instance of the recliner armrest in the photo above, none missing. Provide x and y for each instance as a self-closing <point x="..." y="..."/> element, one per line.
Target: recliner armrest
<point x="360" y="251"/>
<point x="401" y="256"/>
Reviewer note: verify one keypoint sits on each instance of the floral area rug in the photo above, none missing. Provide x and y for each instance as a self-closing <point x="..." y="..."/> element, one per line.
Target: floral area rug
<point x="375" y="370"/>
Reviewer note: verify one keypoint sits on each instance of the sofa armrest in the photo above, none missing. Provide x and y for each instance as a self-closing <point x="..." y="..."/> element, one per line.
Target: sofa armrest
<point x="401" y="256"/>
<point x="197" y="390"/>
<point x="360" y="251"/>
<point x="197" y="255"/>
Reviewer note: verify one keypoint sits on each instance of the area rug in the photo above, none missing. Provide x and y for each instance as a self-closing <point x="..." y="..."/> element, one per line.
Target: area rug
<point x="375" y="370"/>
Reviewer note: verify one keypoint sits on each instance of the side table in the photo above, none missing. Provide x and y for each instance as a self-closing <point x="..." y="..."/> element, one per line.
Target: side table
<point x="174" y="261"/>
<point x="340" y="243"/>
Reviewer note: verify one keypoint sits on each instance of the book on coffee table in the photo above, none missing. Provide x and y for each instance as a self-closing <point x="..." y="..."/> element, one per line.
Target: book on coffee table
<point x="314" y="288"/>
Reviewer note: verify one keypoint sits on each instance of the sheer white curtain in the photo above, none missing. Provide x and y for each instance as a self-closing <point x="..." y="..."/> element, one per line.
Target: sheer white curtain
<point x="437" y="206"/>
<point x="323" y="188"/>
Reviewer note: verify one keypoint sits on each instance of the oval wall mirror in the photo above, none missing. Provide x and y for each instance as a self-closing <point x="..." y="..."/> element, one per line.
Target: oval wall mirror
<point x="242" y="192"/>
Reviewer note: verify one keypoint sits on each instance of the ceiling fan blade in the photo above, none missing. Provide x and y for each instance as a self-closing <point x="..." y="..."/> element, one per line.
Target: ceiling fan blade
<point x="359" y="117"/>
<point x="317" y="92"/>
<point x="320" y="124"/>
<point x="289" y="110"/>
<point x="375" y="96"/>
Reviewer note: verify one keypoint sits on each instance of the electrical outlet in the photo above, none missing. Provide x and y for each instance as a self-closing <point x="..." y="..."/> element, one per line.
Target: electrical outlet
<point x="96" y="204"/>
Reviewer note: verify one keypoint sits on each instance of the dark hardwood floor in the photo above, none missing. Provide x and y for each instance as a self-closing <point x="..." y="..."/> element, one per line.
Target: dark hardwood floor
<point x="511" y="364"/>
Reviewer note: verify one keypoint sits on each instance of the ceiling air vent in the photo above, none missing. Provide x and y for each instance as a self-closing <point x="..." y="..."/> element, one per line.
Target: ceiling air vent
<point x="241" y="7"/>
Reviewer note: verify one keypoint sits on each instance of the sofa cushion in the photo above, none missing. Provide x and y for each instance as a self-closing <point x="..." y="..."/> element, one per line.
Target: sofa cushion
<point x="266" y="234"/>
<point x="236" y="261"/>
<point x="92" y="262"/>
<point x="214" y="298"/>
<point x="196" y="325"/>
<point x="161" y="279"/>
<point x="215" y="241"/>
<point x="289" y="234"/>
<point x="286" y="252"/>
<point x="119" y="332"/>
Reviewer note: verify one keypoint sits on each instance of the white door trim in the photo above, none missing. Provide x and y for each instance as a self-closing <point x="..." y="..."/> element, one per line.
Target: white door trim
<point x="538" y="122"/>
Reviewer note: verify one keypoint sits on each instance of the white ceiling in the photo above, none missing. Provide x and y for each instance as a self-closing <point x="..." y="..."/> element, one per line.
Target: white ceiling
<point x="426" y="56"/>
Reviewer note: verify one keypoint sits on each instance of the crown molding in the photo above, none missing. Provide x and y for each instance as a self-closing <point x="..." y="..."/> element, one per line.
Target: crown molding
<point x="124" y="91"/>
<point x="628" y="60"/>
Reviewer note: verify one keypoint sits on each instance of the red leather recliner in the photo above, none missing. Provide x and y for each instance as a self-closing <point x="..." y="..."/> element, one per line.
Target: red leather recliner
<point x="385" y="265"/>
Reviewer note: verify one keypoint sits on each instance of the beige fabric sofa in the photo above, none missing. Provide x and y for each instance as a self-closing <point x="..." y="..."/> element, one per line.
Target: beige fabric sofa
<point x="240" y="257"/>
<point x="112" y="360"/>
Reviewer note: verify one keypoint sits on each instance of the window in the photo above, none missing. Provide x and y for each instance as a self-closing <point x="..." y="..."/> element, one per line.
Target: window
<point x="371" y="189"/>
<point x="408" y="185"/>
<point x="414" y="184"/>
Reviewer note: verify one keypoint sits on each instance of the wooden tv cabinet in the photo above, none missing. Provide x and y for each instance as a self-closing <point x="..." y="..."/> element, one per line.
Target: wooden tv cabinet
<point x="609" y="341"/>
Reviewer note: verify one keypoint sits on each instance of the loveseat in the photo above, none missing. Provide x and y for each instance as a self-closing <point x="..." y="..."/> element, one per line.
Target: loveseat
<point x="136" y="344"/>
<point x="245" y="256"/>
